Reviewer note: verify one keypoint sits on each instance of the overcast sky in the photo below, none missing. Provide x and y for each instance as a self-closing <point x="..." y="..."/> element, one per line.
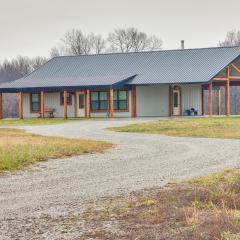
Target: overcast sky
<point x="32" y="27"/>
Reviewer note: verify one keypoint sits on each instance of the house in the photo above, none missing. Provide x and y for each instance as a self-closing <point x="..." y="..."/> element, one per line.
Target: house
<point x="143" y="84"/>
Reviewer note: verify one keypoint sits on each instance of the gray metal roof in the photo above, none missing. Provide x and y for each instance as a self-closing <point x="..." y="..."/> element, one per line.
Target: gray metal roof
<point x="157" y="67"/>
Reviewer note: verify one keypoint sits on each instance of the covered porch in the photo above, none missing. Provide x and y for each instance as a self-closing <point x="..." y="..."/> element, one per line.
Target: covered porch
<point x="77" y="102"/>
<point x="227" y="78"/>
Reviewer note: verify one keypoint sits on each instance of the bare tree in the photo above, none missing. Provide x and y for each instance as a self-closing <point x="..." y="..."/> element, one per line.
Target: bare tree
<point x="12" y="70"/>
<point x="97" y="43"/>
<point x="131" y="40"/>
<point x="76" y="43"/>
<point x="232" y="39"/>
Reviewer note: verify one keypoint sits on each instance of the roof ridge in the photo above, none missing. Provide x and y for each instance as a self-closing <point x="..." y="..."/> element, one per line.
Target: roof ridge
<point x="142" y="52"/>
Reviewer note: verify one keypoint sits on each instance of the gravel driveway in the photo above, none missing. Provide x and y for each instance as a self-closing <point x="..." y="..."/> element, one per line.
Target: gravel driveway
<point x="57" y="188"/>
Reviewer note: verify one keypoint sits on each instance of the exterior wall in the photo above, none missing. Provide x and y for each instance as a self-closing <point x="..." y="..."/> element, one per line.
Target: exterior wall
<point x="52" y="100"/>
<point x="152" y="101"/>
<point x="191" y="97"/>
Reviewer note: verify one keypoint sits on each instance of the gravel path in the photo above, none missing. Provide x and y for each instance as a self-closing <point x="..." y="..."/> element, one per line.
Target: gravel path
<point x="29" y="201"/>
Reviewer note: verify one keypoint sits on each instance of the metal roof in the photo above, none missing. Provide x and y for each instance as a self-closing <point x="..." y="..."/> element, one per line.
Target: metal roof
<point x="157" y="67"/>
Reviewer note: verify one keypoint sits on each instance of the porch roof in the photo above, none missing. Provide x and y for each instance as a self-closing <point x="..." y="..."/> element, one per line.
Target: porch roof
<point x="142" y="68"/>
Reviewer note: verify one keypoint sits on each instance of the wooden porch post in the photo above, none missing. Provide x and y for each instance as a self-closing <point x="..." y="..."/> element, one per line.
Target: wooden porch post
<point x="65" y="104"/>
<point x="203" y="113"/>
<point x="170" y="101"/>
<point x="42" y="105"/>
<point x="227" y="93"/>
<point x="20" y="104"/>
<point x="1" y="106"/>
<point x="111" y="104"/>
<point x="210" y="99"/>
<point x="88" y="104"/>
<point x="134" y="102"/>
<point x="219" y="101"/>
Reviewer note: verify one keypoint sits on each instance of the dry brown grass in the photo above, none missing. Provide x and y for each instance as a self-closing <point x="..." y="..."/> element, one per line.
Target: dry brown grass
<point x="219" y="127"/>
<point x="205" y="209"/>
<point x="19" y="149"/>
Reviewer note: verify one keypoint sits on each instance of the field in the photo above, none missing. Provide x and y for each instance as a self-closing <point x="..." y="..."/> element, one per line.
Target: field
<point x="219" y="127"/>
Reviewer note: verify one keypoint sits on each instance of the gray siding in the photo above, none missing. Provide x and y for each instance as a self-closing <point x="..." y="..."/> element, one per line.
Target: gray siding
<point x="152" y="101"/>
<point x="191" y="98"/>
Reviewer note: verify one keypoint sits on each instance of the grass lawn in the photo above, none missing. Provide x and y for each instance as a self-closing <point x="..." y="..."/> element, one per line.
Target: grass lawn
<point x="37" y="121"/>
<point x="19" y="149"/>
<point x="219" y="127"/>
<point x="205" y="209"/>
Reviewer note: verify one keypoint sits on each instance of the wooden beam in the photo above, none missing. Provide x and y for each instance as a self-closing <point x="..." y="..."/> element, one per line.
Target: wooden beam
<point x="111" y="104"/>
<point x="75" y="104"/>
<point x="219" y="100"/>
<point x="220" y="79"/>
<point x="20" y="104"/>
<point x="170" y="101"/>
<point x="42" y="105"/>
<point x="65" y="104"/>
<point x="236" y="68"/>
<point x="210" y="98"/>
<point x="134" y="102"/>
<point x="1" y="106"/>
<point x="227" y="94"/>
<point x="88" y="104"/>
<point x="234" y="77"/>
<point x="202" y="101"/>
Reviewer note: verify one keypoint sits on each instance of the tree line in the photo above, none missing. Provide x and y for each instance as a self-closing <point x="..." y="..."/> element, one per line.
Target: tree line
<point x="75" y="42"/>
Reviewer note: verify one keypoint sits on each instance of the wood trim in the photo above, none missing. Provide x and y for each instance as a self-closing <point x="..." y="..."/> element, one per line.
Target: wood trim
<point x="134" y="102"/>
<point x="20" y="104"/>
<point x="233" y="78"/>
<point x="111" y="103"/>
<point x="85" y="99"/>
<point x="1" y="106"/>
<point x="220" y="79"/>
<point x="202" y="101"/>
<point x="218" y="101"/>
<point x="170" y="102"/>
<point x="88" y="104"/>
<point x="236" y="68"/>
<point x="75" y="104"/>
<point x="30" y="102"/>
<point x="62" y="103"/>
<point x="65" y="104"/>
<point x="180" y="98"/>
<point x="210" y="98"/>
<point x="42" y="105"/>
<point x="107" y="110"/>
<point x="227" y="93"/>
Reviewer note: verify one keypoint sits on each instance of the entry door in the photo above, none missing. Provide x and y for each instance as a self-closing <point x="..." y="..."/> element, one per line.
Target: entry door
<point x="81" y="104"/>
<point x="176" y="102"/>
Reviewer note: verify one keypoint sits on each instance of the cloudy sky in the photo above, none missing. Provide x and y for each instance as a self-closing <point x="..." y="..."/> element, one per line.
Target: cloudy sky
<point x="32" y="27"/>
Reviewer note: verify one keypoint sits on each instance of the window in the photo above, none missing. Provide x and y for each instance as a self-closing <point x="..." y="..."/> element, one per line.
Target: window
<point x="120" y="100"/>
<point x="69" y="98"/>
<point x="35" y="102"/>
<point x="99" y="100"/>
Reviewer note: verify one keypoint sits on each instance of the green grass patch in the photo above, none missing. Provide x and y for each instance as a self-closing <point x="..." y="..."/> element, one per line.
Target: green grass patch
<point x="219" y="127"/>
<point x="19" y="149"/>
<point x="37" y="121"/>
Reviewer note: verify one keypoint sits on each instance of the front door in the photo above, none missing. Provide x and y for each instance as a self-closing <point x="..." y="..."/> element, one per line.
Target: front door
<point x="81" y="104"/>
<point x="176" y="102"/>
